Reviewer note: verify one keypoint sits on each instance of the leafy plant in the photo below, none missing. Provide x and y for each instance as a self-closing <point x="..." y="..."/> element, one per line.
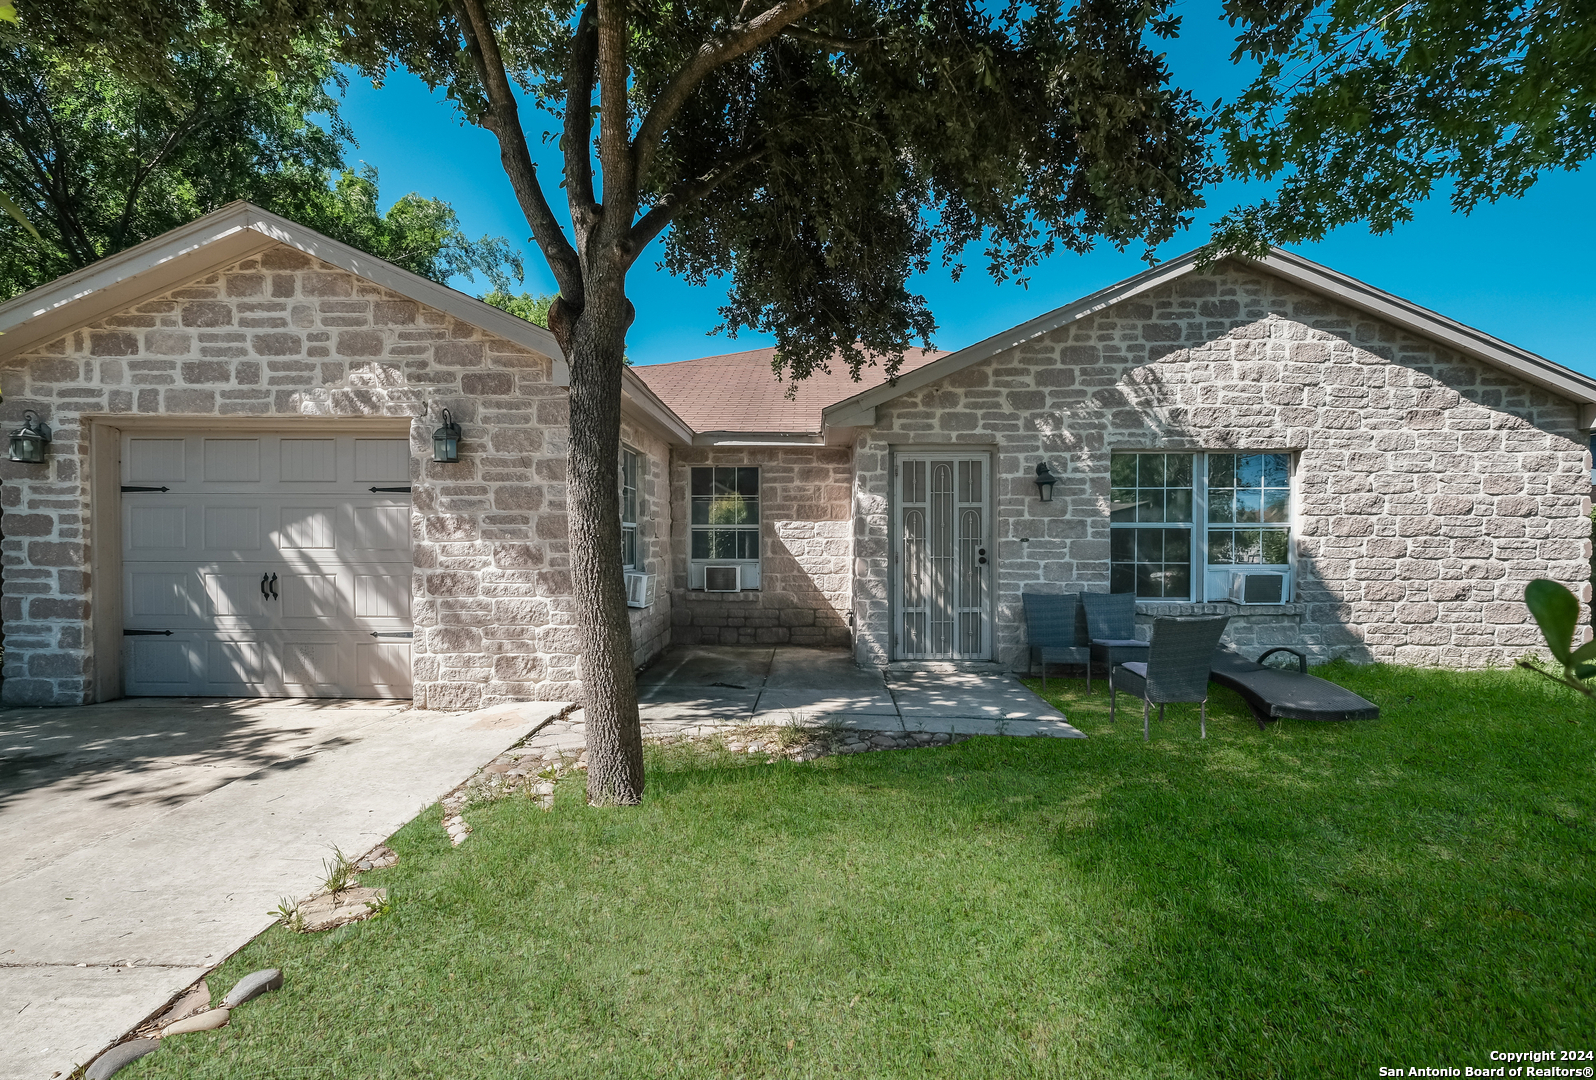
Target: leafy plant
<point x="1556" y="611"/>
<point x="287" y="912"/>
<point x="341" y="874"/>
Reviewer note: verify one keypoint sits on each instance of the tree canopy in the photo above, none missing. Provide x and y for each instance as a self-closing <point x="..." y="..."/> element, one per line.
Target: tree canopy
<point x="1363" y="108"/>
<point x="95" y="159"/>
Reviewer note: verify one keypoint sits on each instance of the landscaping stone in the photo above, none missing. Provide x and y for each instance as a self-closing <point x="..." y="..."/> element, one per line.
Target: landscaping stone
<point x="190" y="1003"/>
<point x="379" y="858"/>
<point x="331" y="910"/>
<point x="253" y="986"/>
<point x="209" y="1020"/>
<point x="119" y="1055"/>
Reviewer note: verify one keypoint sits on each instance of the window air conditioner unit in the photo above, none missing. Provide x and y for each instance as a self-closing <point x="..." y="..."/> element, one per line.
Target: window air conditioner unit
<point x="1268" y="587"/>
<point x="723" y="579"/>
<point x="639" y="590"/>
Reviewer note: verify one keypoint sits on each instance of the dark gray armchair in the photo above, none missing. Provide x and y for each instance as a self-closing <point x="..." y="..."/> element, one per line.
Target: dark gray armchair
<point x="1179" y="659"/>
<point x="1111" y="629"/>
<point x="1050" y="628"/>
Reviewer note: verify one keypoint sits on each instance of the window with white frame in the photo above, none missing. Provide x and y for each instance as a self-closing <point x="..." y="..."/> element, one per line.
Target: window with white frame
<point x="1181" y="524"/>
<point x="631" y="467"/>
<point x="724" y="522"/>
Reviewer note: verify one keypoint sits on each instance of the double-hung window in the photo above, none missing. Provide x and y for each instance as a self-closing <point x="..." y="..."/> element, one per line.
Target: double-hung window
<point x="631" y="467"/>
<point x="724" y="521"/>
<point x="1181" y="524"/>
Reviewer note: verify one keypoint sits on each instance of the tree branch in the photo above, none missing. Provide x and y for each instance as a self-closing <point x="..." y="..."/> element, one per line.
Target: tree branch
<point x="741" y="38"/>
<point x="504" y="120"/>
<point x="684" y="195"/>
<point x="615" y="127"/>
<point x="579" y="76"/>
<point x="832" y="44"/>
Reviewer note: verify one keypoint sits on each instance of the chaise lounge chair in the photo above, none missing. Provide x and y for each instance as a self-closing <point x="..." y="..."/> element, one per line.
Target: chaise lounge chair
<point x="1273" y="694"/>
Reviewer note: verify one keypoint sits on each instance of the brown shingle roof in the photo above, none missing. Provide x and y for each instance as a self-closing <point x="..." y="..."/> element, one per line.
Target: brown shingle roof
<point x="739" y="392"/>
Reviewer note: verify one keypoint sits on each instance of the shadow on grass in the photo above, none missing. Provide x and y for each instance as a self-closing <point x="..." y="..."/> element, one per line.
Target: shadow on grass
<point x="1311" y="900"/>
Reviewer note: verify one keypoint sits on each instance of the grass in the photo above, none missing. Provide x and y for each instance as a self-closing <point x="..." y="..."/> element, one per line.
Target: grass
<point x="1310" y="901"/>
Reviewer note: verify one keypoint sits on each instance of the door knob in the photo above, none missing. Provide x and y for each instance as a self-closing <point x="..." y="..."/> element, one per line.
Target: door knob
<point x="982" y="560"/>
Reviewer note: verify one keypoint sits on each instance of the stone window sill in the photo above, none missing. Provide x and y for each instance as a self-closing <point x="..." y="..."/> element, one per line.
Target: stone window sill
<point x="1217" y="607"/>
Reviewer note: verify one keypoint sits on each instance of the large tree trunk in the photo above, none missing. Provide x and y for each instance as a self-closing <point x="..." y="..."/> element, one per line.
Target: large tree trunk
<point x="595" y="348"/>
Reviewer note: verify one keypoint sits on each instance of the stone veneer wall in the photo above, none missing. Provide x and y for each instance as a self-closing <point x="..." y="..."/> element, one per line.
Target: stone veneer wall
<point x="805" y="592"/>
<point x="282" y="334"/>
<point x="651" y="626"/>
<point x="1430" y="488"/>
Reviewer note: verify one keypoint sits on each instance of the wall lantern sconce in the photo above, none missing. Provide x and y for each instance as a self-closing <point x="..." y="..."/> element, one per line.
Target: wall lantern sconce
<point x="30" y="442"/>
<point x="1044" y="482"/>
<point x="446" y="440"/>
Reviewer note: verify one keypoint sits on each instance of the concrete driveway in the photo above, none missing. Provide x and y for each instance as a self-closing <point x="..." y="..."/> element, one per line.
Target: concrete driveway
<point x="144" y="841"/>
<point x="696" y="689"/>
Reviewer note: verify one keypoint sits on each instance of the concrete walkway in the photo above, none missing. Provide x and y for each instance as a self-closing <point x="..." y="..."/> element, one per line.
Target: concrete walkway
<point x="143" y="841"/>
<point x="705" y="688"/>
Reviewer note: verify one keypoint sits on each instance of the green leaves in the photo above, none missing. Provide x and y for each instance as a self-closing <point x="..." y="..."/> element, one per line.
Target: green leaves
<point x="15" y="211"/>
<point x="7" y="12"/>
<point x="1556" y="611"/>
<point x="1366" y="108"/>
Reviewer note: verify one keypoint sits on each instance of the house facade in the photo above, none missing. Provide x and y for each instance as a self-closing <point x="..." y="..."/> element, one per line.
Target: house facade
<point x="240" y="495"/>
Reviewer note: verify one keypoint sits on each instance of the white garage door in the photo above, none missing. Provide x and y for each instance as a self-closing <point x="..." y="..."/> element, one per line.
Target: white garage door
<point x="266" y="566"/>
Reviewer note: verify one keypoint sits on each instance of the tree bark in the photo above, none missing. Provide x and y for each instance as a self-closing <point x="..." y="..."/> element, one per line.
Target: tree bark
<point x="595" y="349"/>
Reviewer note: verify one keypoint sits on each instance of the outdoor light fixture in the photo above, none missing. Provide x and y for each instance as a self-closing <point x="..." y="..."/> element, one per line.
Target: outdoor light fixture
<point x="445" y="441"/>
<point x="1044" y="482"/>
<point x="30" y="442"/>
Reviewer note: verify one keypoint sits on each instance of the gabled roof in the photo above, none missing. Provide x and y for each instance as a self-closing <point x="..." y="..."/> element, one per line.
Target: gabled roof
<point x="738" y="393"/>
<point x="859" y="409"/>
<point x="219" y="239"/>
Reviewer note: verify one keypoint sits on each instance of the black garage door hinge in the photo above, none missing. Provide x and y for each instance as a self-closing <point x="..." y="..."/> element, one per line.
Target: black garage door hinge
<point x="405" y="489"/>
<point x="127" y="488"/>
<point x="146" y="633"/>
<point x="393" y="633"/>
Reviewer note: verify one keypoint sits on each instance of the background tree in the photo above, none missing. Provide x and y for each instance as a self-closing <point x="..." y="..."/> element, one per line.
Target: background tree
<point x="94" y="160"/>
<point x="1363" y="108"/>
<point x="817" y="152"/>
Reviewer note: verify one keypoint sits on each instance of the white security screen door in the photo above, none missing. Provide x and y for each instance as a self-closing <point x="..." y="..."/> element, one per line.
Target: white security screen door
<point x="266" y="565"/>
<point x="942" y="570"/>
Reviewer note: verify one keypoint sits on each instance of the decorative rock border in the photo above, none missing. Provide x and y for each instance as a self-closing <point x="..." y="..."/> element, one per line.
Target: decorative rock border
<point x="189" y="1013"/>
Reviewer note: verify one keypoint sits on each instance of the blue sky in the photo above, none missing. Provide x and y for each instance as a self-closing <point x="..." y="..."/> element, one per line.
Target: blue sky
<point x="1517" y="269"/>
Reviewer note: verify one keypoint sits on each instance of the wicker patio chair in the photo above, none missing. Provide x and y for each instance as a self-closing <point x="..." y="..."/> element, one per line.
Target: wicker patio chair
<point x="1179" y="658"/>
<point x="1050" y="629"/>
<point x="1111" y="630"/>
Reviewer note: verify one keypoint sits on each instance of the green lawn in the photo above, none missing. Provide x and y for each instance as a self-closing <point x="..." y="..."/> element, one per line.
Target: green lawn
<point x="1314" y="900"/>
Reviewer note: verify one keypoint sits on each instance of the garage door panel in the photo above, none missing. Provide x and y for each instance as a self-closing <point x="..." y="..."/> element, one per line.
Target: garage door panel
<point x="382" y="669"/>
<point x="160" y="666"/>
<point x="238" y="668"/>
<point x="244" y="509"/>
<point x="232" y="461"/>
<point x="308" y="528"/>
<point x="154" y="530"/>
<point x="313" y="668"/>
<point x="146" y="461"/>
<point x="308" y="461"/>
<point x="310" y="598"/>
<point x="232" y="528"/>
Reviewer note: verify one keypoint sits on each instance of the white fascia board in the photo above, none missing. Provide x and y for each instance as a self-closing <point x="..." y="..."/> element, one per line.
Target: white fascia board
<point x="847" y="412"/>
<point x="468" y="309"/>
<point x="206" y="244"/>
<point x="1423" y="322"/>
<point x="128" y="277"/>
<point x="757" y="438"/>
<point x="1420" y="321"/>
<point x="636" y="397"/>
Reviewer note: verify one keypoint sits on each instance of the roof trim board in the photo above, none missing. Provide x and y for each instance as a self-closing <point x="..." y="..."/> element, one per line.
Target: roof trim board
<point x="860" y="408"/>
<point x="236" y="231"/>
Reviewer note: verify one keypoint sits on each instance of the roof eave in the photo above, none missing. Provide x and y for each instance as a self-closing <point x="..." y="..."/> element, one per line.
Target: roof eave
<point x="236" y="231"/>
<point x="859" y="410"/>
